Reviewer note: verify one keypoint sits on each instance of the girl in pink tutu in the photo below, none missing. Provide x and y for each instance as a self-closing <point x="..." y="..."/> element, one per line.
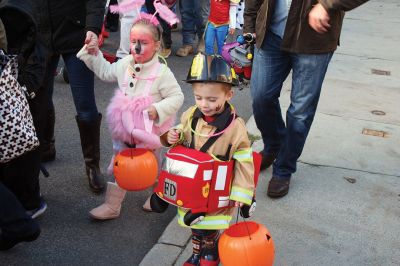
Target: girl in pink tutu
<point x="144" y="105"/>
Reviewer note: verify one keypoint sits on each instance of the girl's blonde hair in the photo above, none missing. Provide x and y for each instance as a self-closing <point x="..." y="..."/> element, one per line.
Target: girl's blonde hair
<point x="151" y="22"/>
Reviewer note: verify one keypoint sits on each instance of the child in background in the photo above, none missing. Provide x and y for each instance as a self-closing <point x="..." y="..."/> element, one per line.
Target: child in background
<point x="212" y="80"/>
<point x="221" y="21"/>
<point x="166" y="36"/>
<point x="148" y="92"/>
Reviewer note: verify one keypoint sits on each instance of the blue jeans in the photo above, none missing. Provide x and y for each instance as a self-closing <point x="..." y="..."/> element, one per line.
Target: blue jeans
<point x="215" y="33"/>
<point x="81" y="80"/>
<point x="194" y="15"/>
<point x="271" y="67"/>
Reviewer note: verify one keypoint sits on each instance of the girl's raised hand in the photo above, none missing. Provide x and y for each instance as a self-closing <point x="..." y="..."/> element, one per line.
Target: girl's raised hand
<point x="91" y="41"/>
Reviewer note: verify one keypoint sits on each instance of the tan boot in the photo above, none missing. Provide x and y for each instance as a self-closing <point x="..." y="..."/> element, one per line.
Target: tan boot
<point x="201" y="46"/>
<point x="185" y="50"/>
<point x="111" y="208"/>
<point x="165" y="52"/>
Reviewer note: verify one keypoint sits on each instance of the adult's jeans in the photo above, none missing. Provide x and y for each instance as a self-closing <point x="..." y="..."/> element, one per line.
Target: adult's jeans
<point x="81" y="80"/>
<point x="215" y="33"/>
<point x="194" y="15"/>
<point x="271" y="67"/>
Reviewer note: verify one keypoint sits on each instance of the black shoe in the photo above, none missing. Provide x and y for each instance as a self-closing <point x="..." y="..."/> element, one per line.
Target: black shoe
<point x="278" y="188"/>
<point x="49" y="153"/>
<point x="267" y="160"/>
<point x="7" y="242"/>
<point x="96" y="179"/>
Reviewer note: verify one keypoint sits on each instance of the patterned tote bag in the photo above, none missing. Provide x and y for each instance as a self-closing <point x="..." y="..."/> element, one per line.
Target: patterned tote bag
<point x="17" y="132"/>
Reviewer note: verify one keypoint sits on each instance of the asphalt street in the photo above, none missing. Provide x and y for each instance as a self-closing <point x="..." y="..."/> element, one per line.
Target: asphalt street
<point x="69" y="236"/>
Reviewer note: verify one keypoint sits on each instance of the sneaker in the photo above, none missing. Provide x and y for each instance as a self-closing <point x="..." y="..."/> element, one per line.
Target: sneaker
<point x="38" y="211"/>
<point x="165" y="52"/>
<point x="185" y="50"/>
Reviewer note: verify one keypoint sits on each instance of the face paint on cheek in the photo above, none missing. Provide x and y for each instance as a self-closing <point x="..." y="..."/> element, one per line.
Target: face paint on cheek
<point x="218" y="108"/>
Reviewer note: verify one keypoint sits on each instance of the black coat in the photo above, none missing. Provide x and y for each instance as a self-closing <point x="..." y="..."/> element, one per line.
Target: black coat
<point x="63" y="23"/>
<point x="20" y="27"/>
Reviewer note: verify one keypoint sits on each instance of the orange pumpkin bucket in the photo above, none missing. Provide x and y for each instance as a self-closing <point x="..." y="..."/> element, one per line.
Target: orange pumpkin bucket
<point x="135" y="169"/>
<point x="246" y="243"/>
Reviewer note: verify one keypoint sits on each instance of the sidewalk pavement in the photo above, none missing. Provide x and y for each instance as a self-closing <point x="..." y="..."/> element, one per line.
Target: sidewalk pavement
<point x="343" y="207"/>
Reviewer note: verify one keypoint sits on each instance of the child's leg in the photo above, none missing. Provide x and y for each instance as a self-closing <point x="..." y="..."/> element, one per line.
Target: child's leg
<point x="221" y="33"/>
<point x="111" y="207"/>
<point x="209" y="251"/>
<point x="147" y="205"/>
<point x="209" y="38"/>
<point x="197" y="245"/>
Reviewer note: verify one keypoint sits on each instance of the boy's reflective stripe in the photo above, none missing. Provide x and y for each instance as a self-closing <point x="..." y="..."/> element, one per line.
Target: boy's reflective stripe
<point x="209" y="222"/>
<point x="245" y="155"/>
<point x="241" y="195"/>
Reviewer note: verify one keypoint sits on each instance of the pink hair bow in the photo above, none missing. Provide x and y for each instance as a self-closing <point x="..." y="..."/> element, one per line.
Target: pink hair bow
<point x="165" y="13"/>
<point x="126" y="6"/>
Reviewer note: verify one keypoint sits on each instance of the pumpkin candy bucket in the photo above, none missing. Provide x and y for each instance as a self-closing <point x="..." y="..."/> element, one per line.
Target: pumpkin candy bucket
<point x="246" y="243"/>
<point x="135" y="169"/>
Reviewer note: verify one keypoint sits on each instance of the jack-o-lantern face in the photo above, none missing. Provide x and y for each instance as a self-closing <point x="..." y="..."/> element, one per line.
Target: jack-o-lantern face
<point x="135" y="169"/>
<point x="246" y="243"/>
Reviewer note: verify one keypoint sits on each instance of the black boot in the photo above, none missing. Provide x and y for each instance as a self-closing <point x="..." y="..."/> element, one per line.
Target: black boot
<point x="197" y="244"/>
<point x="48" y="148"/>
<point x="90" y="142"/>
<point x="209" y="252"/>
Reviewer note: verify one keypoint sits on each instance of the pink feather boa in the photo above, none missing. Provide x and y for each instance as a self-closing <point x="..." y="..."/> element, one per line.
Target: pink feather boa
<point x="121" y="105"/>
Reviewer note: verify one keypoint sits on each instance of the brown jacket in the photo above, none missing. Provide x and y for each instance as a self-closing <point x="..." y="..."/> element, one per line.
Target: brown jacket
<point x="298" y="37"/>
<point x="236" y="136"/>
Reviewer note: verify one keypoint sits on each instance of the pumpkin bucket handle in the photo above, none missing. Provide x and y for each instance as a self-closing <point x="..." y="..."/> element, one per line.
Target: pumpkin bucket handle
<point x="244" y="220"/>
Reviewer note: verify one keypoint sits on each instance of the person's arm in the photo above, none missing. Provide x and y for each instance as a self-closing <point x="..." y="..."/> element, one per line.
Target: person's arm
<point x="99" y="65"/>
<point x="250" y="15"/>
<point x="94" y="15"/>
<point x="344" y="5"/>
<point x="172" y="97"/>
<point x="32" y="70"/>
<point x="318" y="18"/>
<point x="242" y="190"/>
<point x="165" y="138"/>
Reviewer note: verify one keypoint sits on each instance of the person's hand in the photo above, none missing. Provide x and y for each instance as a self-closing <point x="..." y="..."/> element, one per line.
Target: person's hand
<point x="318" y="18"/>
<point x="173" y="136"/>
<point x="91" y="41"/>
<point x="231" y="31"/>
<point x="152" y="111"/>
<point x="239" y="204"/>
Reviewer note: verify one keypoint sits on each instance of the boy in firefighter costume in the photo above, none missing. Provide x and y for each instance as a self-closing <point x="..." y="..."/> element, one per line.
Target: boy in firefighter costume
<point x="210" y="150"/>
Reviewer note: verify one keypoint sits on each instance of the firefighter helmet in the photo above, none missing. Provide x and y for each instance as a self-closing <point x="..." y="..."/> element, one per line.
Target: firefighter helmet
<point x="211" y="68"/>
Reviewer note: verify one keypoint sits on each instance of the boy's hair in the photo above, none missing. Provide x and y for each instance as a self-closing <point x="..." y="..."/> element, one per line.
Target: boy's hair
<point x="151" y="22"/>
<point x="224" y="86"/>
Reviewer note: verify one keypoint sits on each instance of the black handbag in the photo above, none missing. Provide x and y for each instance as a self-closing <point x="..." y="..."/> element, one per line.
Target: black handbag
<point x="17" y="131"/>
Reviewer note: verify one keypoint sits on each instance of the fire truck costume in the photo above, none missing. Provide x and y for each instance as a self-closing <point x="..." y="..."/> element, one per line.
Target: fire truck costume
<point x="217" y="156"/>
